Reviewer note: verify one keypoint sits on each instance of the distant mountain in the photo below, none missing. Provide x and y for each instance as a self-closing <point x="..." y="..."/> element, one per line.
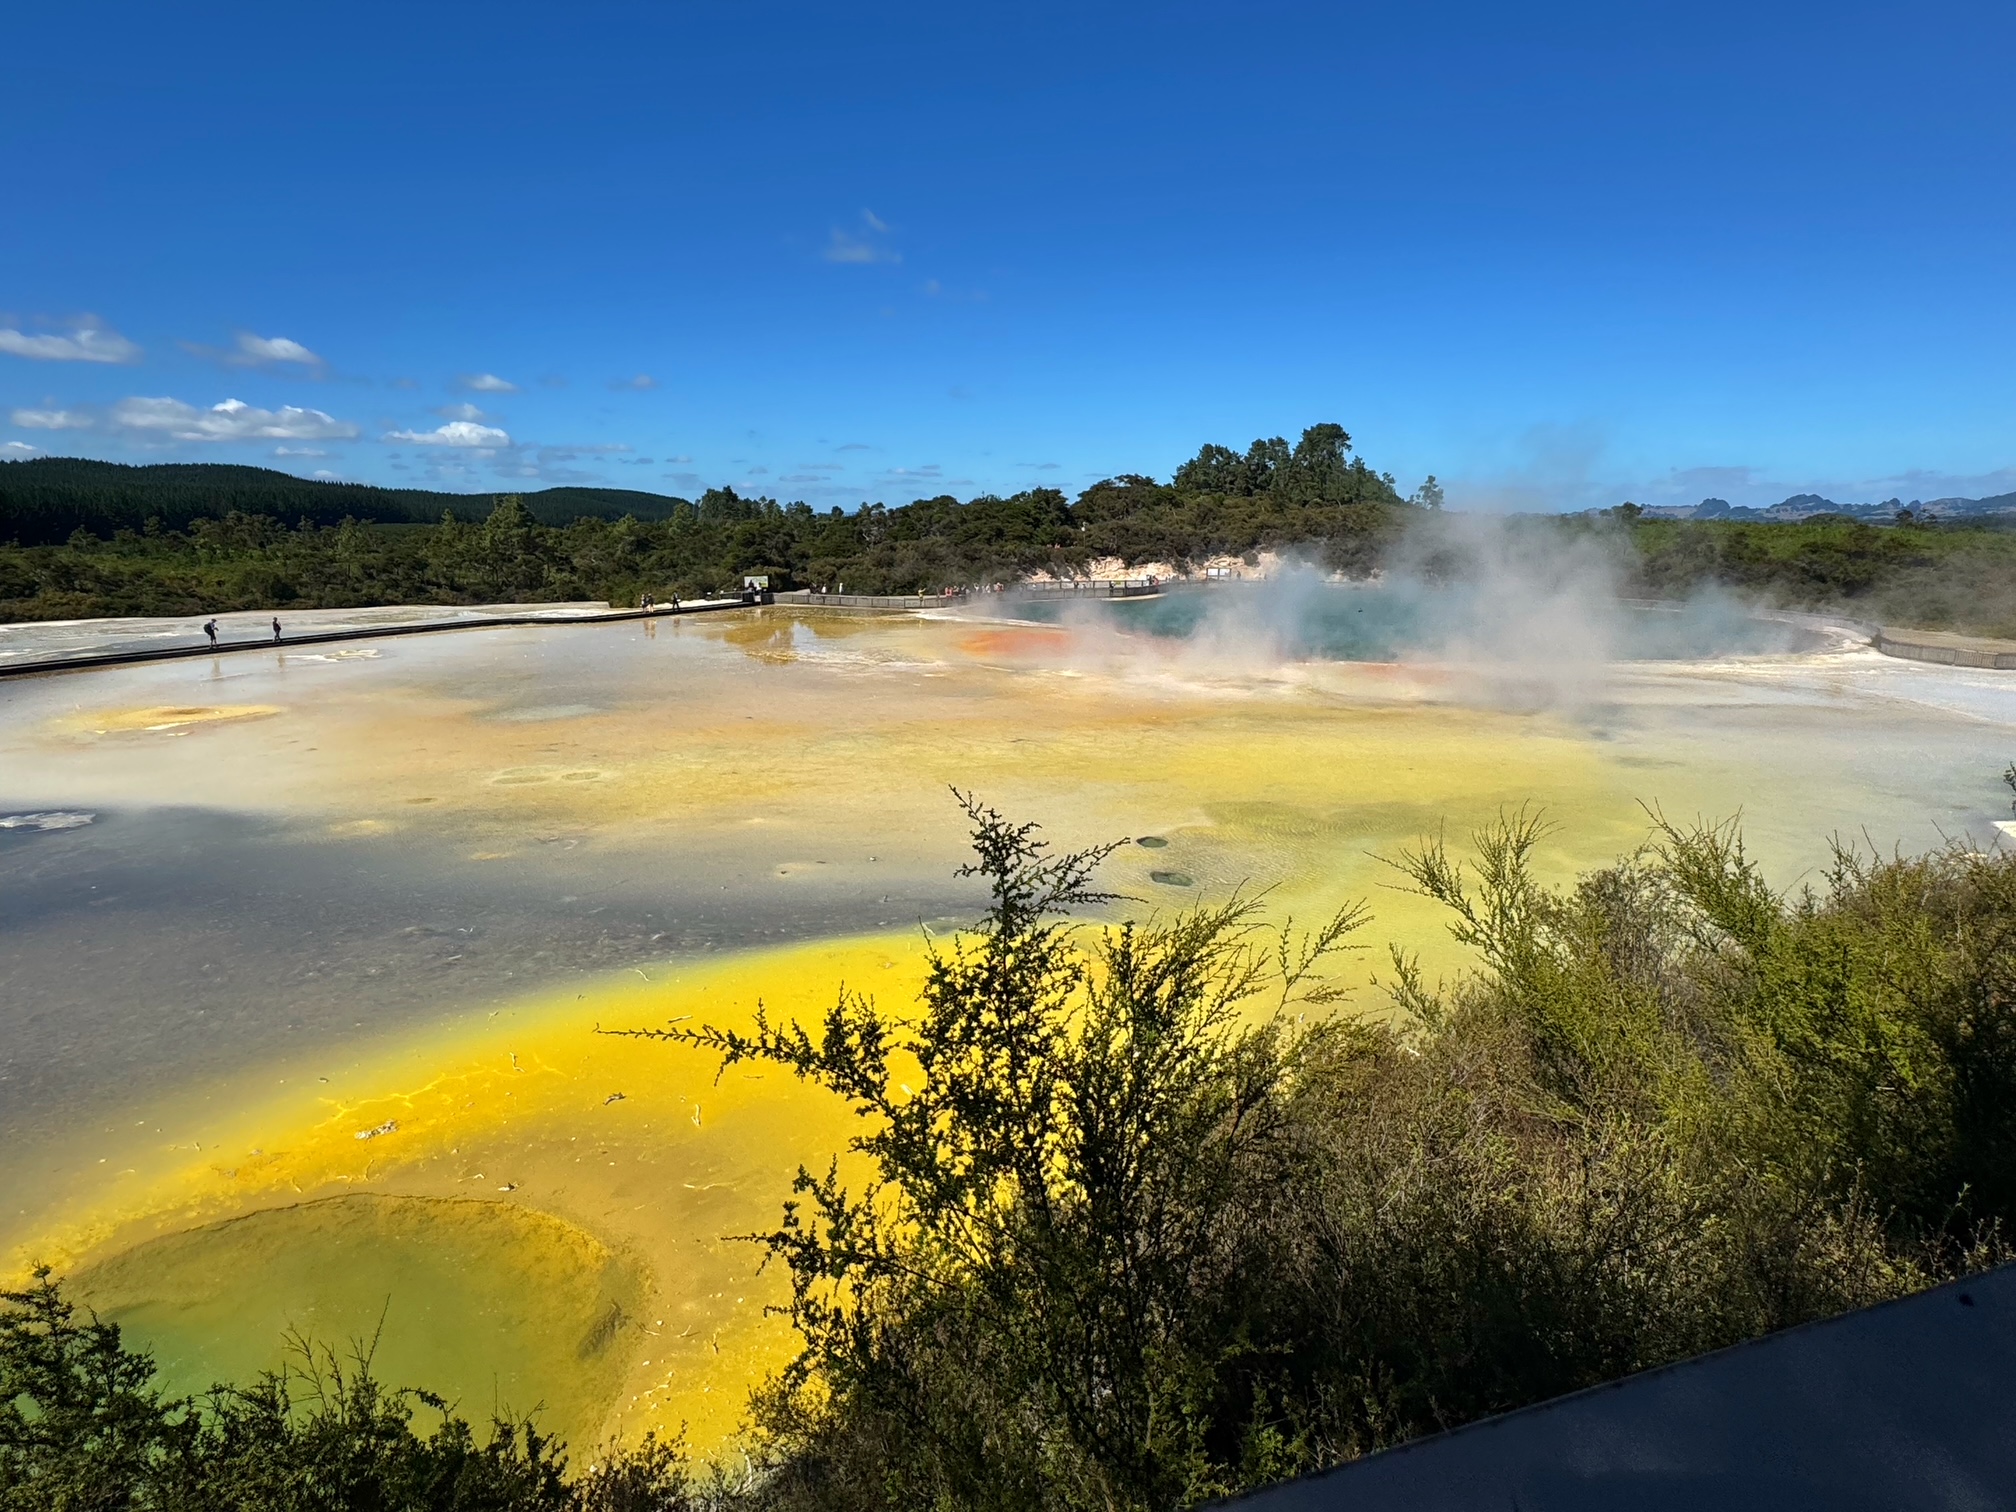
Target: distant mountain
<point x="45" y="499"/>
<point x="1806" y="505"/>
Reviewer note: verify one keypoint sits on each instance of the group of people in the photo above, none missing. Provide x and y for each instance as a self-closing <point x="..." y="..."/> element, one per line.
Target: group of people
<point x="649" y="602"/>
<point x="210" y="629"/>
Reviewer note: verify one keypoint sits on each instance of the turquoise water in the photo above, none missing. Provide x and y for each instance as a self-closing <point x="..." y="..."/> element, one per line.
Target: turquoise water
<point x="1350" y="622"/>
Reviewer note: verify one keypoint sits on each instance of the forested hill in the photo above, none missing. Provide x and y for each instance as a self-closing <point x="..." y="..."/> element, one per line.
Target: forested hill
<point x="235" y="538"/>
<point x="46" y="499"/>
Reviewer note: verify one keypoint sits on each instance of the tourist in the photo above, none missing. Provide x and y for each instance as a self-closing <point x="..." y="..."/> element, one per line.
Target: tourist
<point x="276" y="631"/>
<point x="210" y="629"/>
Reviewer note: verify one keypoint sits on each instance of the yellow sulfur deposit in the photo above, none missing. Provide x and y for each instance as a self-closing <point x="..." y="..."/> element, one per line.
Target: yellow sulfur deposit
<point x="538" y="1213"/>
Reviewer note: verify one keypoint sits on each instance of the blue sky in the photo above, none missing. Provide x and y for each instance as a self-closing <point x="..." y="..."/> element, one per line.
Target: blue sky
<point x="1558" y="255"/>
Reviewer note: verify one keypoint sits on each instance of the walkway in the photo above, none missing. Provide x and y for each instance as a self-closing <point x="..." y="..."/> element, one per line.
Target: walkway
<point x="48" y="665"/>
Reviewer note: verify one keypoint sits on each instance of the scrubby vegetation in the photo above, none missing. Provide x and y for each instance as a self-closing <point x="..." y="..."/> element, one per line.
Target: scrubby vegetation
<point x="1936" y="576"/>
<point x="1141" y="1214"/>
<point x="83" y="1428"/>
<point x="252" y="556"/>
<point x="1134" y="1244"/>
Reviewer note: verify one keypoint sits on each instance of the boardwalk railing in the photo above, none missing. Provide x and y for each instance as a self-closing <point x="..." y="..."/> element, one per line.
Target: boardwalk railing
<point x="1090" y="588"/>
<point x="866" y="601"/>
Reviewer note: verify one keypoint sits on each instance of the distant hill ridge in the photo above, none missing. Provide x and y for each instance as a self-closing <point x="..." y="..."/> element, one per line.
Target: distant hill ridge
<point x="45" y="499"/>
<point x="1804" y="506"/>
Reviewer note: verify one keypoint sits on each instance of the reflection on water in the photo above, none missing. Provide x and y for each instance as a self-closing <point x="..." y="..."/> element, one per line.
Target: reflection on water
<point x="396" y="895"/>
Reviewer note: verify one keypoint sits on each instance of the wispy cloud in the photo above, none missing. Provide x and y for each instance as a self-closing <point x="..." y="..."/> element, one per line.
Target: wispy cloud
<point x="933" y="289"/>
<point x="460" y="412"/>
<point x="249" y="350"/>
<point x="931" y="472"/>
<point x="51" y="419"/>
<point x="454" y="433"/>
<point x="485" y="383"/>
<point x="17" y="449"/>
<point x="640" y="381"/>
<point x="574" y="452"/>
<point x="233" y="420"/>
<point x="87" y="339"/>
<point x="1756" y="486"/>
<point x="843" y="246"/>
<point x="260" y="350"/>
<point x="299" y="451"/>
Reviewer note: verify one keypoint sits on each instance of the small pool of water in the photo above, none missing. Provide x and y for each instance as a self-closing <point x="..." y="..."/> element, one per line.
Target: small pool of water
<point x="1352" y="622"/>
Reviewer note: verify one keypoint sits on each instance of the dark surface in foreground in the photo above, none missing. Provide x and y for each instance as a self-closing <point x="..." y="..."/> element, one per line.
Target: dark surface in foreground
<point x="1911" y="1404"/>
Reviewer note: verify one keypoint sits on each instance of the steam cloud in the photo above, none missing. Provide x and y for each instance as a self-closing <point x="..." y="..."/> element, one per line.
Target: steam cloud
<point x="1508" y="614"/>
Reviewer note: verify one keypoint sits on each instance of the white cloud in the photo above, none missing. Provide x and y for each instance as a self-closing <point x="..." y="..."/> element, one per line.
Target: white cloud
<point x="873" y="221"/>
<point x="18" y="449"/>
<point x="254" y="351"/>
<point x="460" y="412"/>
<point x="88" y="341"/>
<point x="843" y="248"/>
<point x="641" y="381"/>
<point x="57" y="419"/>
<point x="486" y="383"/>
<point x="454" y="433"/>
<point x="299" y="451"/>
<point x="233" y="420"/>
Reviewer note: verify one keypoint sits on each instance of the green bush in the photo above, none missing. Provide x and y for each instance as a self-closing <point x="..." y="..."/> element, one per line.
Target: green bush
<point x="1135" y="1240"/>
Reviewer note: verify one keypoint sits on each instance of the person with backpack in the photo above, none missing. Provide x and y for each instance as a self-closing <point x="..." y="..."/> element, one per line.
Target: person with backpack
<point x="210" y="629"/>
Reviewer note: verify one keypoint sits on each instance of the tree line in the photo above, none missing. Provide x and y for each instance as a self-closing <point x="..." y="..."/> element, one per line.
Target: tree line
<point x="1917" y="572"/>
<point x="1312" y="494"/>
<point x="46" y="500"/>
<point x="1142" y="1213"/>
<point x="185" y="546"/>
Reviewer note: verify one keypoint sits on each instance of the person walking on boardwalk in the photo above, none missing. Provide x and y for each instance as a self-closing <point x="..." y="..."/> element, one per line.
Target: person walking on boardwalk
<point x="276" y="630"/>
<point x="210" y="629"/>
